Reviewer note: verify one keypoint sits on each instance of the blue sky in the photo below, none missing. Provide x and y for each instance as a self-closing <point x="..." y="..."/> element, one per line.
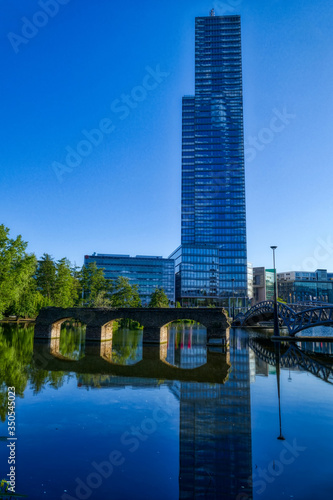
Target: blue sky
<point x="70" y="75"/>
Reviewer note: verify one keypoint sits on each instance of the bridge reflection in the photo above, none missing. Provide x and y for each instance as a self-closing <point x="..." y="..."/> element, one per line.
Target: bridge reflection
<point x="155" y="362"/>
<point x="310" y="357"/>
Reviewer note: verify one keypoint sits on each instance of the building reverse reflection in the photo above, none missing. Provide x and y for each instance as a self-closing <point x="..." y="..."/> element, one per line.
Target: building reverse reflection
<point x="215" y="430"/>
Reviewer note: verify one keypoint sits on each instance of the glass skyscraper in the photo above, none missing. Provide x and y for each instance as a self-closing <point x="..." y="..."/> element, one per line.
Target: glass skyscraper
<point x="211" y="263"/>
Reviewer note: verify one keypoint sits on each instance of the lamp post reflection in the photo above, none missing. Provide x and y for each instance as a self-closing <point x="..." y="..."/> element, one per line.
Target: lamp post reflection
<point x="277" y="365"/>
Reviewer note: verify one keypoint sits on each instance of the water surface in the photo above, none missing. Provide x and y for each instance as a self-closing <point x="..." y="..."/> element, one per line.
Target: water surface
<point x="126" y="422"/>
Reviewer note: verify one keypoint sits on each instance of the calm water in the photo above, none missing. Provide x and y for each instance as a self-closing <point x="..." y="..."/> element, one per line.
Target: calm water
<point x="121" y="423"/>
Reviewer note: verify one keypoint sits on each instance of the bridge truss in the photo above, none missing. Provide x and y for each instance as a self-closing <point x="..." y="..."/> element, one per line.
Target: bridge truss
<point x="295" y="321"/>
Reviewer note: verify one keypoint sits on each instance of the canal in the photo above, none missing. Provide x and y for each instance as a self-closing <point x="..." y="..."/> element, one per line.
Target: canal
<point x="239" y="421"/>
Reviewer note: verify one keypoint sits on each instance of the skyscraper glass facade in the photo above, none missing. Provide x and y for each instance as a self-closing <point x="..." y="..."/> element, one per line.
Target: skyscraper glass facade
<point x="211" y="263"/>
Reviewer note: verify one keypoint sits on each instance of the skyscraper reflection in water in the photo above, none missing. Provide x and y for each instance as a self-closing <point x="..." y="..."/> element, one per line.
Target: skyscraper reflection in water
<point x="215" y="429"/>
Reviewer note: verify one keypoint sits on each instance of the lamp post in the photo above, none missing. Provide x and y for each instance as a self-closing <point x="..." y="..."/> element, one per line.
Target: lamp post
<point x="276" y="319"/>
<point x="233" y="299"/>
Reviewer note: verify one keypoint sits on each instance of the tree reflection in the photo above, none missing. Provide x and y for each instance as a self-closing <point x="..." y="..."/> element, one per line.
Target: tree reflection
<point x="16" y="348"/>
<point x="126" y="346"/>
<point x="18" y="366"/>
<point x="72" y="342"/>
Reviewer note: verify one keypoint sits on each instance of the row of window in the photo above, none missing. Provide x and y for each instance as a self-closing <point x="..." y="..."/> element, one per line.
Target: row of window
<point x="223" y="44"/>
<point x="217" y="27"/>
<point x="232" y="134"/>
<point x="211" y="120"/>
<point x="230" y="218"/>
<point x="192" y="239"/>
<point x="213" y="224"/>
<point x="232" y="248"/>
<point x="226" y="157"/>
<point x="210" y="143"/>
<point x="190" y="178"/>
<point x="199" y="259"/>
<point x="203" y="34"/>
<point x="199" y="251"/>
<point x="187" y="267"/>
<point x="126" y="267"/>
<point x="234" y="253"/>
<point x="213" y="20"/>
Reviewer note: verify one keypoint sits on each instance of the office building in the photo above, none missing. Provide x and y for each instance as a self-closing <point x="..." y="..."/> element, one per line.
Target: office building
<point x="147" y="272"/>
<point x="263" y="284"/>
<point x="300" y="286"/>
<point x="211" y="263"/>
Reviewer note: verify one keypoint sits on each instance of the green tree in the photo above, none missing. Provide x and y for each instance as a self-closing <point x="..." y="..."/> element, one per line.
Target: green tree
<point x="30" y="301"/>
<point x="92" y="283"/>
<point x="102" y="299"/>
<point x="65" y="290"/>
<point x="16" y="269"/>
<point x="123" y="294"/>
<point x="46" y="278"/>
<point x="158" y="298"/>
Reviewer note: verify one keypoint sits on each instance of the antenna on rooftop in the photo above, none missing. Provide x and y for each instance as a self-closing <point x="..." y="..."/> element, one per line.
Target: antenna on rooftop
<point x="212" y="12"/>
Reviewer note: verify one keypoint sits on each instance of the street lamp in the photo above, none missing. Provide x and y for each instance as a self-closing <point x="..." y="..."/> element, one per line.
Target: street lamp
<point x="276" y="319"/>
<point x="233" y="299"/>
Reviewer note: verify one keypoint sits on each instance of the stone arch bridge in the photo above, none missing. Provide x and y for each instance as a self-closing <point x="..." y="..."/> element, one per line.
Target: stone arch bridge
<point x="295" y="319"/>
<point x="99" y="321"/>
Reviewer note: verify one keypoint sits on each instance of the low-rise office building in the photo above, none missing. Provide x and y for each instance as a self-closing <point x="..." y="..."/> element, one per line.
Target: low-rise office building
<point x="147" y="272"/>
<point x="263" y="284"/>
<point x="300" y="286"/>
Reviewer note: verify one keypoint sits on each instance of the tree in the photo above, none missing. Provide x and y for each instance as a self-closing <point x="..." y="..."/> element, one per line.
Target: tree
<point x="92" y="283"/>
<point x="30" y="301"/>
<point x="65" y="290"/>
<point x="102" y="299"/>
<point x="123" y="294"/>
<point x="158" y="298"/>
<point x="16" y="269"/>
<point x="46" y="277"/>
